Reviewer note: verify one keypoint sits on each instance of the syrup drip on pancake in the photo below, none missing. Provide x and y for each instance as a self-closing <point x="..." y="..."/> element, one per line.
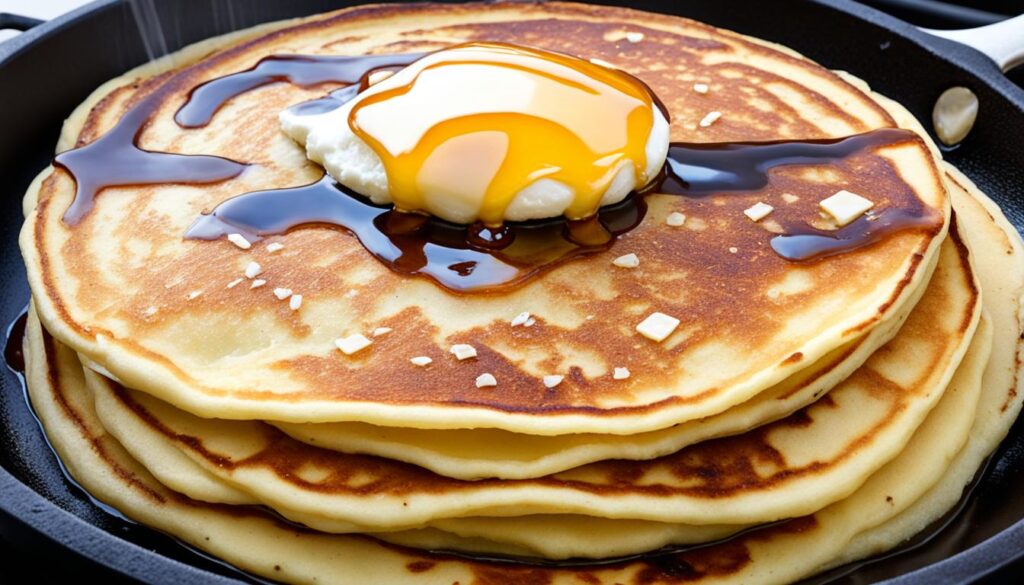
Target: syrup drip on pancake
<point x="695" y="170"/>
<point x="301" y="70"/>
<point x="115" y="160"/>
<point x="461" y="258"/>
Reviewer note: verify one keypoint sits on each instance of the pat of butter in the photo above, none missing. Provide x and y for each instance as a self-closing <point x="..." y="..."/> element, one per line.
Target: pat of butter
<point x="675" y="219"/>
<point x="627" y="261"/>
<point x="353" y="343"/>
<point x="758" y="211"/>
<point x="657" y="326"/>
<point x="511" y="136"/>
<point x="552" y="381"/>
<point x="845" y="206"/>
<point x="463" y="351"/>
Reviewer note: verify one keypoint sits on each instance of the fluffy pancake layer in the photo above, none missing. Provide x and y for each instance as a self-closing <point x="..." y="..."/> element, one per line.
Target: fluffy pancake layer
<point x="178" y="332"/>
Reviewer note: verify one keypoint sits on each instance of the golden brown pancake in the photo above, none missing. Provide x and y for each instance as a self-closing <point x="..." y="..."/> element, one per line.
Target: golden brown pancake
<point x="124" y="288"/>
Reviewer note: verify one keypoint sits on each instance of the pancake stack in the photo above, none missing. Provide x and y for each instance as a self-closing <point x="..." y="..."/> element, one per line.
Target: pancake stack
<point x="802" y="415"/>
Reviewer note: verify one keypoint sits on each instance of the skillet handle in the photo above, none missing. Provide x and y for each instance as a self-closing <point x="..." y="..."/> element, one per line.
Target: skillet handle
<point x="18" y="22"/>
<point x="1003" y="42"/>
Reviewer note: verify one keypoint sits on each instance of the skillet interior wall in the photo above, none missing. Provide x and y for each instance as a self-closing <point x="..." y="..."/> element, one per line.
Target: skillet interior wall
<point x="101" y="42"/>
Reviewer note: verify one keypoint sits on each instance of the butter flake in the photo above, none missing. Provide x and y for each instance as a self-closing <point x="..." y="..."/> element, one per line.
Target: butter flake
<point x="657" y="326"/>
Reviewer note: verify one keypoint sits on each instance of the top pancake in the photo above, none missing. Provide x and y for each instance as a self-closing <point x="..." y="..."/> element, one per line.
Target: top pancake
<point x="120" y="286"/>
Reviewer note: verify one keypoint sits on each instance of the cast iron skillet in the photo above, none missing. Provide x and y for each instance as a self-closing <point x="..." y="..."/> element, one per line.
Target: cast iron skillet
<point x="47" y="71"/>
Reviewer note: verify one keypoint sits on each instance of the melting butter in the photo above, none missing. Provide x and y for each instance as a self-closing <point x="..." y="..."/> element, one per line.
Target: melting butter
<point x="472" y="130"/>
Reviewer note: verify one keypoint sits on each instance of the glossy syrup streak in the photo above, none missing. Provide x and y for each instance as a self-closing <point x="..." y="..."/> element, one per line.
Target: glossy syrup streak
<point x="458" y="257"/>
<point x="301" y="70"/>
<point x="115" y="160"/>
<point x="694" y="170"/>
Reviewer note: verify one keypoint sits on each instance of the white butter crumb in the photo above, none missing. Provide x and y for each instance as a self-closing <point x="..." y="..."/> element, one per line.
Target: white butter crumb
<point x="194" y="294"/>
<point x="275" y="247"/>
<point x="758" y="211"/>
<point x="627" y="261"/>
<point x="710" y="119"/>
<point x="530" y="322"/>
<point x="421" y="361"/>
<point x="240" y="241"/>
<point x="733" y="249"/>
<point x="657" y="326"/>
<point x="149" y="312"/>
<point x="235" y="283"/>
<point x="620" y="373"/>
<point x="381" y="331"/>
<point x="701" y="87"/>
<point x="463" y="351"/>
<point x="552" y="381"/>
<point x="845" y="206"/>
<point x="790" y="198"/>
<point x="520" y="319"/>
<point x="282" y="293"/>
<point x="253" y="269"/>
<point x="257" y="283"/>
<point x="485" y="380"/>
<point x="353" y="343"/>
<point x="295" y="303"/>
<point x="634" y="37"/>
<point x="675" y="219"/>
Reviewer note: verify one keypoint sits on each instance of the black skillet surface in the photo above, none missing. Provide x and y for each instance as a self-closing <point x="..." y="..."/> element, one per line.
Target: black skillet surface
<point x="46" y="72"/>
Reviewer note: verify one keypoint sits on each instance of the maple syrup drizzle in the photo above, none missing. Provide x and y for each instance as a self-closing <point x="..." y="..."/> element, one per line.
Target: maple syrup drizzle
<point x="301" y="70"/>
<point x="478" y="257"/>
<point x="696" y="170"/>
<point x="115" y="160"/>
